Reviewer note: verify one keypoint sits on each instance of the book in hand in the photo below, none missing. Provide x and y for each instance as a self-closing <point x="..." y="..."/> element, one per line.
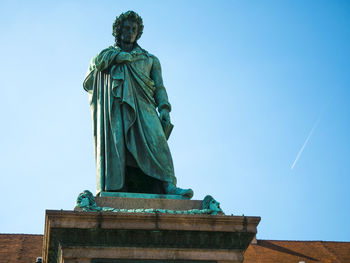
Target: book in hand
<point x="167" y="128"/>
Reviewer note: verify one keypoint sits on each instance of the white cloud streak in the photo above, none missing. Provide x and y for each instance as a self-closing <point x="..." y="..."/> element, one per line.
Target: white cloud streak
<point x="305" y="143"/>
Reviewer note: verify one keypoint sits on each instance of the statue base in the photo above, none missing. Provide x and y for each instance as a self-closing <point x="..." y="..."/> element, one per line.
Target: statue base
<point x="146" y="203"/>
<point x="141" y="195"/>
<point x="115" y="237"/>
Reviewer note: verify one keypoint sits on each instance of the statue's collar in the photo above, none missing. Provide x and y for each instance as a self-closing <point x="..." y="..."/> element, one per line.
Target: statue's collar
<point x="136" y="49"/>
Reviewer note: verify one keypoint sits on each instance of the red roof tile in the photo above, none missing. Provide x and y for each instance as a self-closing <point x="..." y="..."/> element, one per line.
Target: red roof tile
<point x="23" y="248"/>
<point x="20" y="248"/>
<point x="272" y="251"/>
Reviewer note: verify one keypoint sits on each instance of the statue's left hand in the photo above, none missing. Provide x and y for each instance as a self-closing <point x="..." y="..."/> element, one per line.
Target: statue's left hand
<point x="164" y="115"/>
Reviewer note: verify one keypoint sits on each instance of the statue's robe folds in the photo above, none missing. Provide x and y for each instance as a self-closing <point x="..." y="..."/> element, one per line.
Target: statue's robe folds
<point x="123" y="100"/>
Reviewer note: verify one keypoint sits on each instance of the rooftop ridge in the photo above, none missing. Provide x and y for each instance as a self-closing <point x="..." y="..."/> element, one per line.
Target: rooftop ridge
<point x="18" y="234"/>
<point x="298" y="240"/>
<point x="274" y="240"/>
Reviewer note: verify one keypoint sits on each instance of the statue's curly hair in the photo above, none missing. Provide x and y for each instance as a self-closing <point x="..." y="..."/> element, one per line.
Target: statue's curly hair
<point x="118" y="24"/>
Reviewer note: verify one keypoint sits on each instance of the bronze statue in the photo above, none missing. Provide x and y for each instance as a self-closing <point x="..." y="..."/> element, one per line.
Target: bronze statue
<point x="125" y="88"/>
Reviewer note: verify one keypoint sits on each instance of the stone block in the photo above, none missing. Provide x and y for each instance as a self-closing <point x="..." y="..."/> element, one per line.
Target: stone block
<point x="81" y="237"/>
<point x="156" y="203"/>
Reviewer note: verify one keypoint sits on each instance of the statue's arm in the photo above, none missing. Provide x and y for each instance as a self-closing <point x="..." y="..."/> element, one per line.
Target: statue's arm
<point x="106" y="58"/>
<point x="160" y="95"/>
<point x="101" y="62"/>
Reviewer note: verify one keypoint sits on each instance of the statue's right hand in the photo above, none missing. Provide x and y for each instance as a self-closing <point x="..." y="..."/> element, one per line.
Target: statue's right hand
<point x="124" y="57"/>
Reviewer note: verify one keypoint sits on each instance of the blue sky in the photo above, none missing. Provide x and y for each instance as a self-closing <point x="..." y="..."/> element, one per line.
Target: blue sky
<point x="248" y="82"/>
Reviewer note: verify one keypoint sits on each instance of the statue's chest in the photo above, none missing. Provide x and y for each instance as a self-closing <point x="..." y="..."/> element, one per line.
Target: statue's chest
<point x="143" y="64"/>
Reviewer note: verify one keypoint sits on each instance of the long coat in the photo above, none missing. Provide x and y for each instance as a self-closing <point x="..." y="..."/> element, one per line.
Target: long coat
<point x="123" y="101"/>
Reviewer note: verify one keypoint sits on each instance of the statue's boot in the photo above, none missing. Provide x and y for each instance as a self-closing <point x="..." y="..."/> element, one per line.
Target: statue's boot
<point x="171" y="189"/>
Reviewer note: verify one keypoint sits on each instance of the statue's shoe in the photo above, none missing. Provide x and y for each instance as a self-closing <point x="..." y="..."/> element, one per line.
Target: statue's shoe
<point x="171" y="189"/>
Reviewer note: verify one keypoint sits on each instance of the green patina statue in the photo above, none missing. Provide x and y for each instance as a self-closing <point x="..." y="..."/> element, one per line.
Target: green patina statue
<point x="125" y="88"/>
<point x="86" y="202"/>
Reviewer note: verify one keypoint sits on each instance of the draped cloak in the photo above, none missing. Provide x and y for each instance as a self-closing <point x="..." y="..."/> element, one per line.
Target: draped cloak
<point x="123" y="100"/>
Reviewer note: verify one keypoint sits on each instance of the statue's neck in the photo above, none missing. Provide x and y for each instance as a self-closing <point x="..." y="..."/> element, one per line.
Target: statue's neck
<point x="127" y="46"/>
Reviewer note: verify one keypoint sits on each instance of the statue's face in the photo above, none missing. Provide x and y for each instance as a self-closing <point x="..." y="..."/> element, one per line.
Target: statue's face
<point x="214" y="205"/>
<point x="129" y="32"/>
<point x="84" y="200"/>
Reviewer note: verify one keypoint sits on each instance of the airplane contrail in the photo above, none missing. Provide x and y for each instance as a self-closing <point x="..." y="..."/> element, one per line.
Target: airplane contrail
<point x="306" y="141"/>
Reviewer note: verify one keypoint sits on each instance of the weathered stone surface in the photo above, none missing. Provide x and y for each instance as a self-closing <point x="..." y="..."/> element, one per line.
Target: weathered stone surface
<point x="141" y="195"/>
<point x="157" y="203"/>
<point x="82" y="236"/>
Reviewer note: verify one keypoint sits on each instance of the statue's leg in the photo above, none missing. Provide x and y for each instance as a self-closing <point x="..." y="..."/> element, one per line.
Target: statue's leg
<point x="136" y="181"/>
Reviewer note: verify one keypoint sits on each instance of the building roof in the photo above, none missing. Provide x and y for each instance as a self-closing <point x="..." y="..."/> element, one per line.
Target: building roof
<point x="21" y="248"/>
<point x="271" y="251"/>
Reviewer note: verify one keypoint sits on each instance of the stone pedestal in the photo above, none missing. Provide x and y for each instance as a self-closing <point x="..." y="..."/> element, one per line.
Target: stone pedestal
<point x="147" y="202"/>
<point x="114" y="237"/>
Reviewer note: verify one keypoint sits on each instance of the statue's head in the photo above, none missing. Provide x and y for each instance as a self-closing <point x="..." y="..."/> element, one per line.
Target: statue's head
<point x="210" y="203"/>
<point x="127" y="27"/>
<point x="85" y="199"/>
